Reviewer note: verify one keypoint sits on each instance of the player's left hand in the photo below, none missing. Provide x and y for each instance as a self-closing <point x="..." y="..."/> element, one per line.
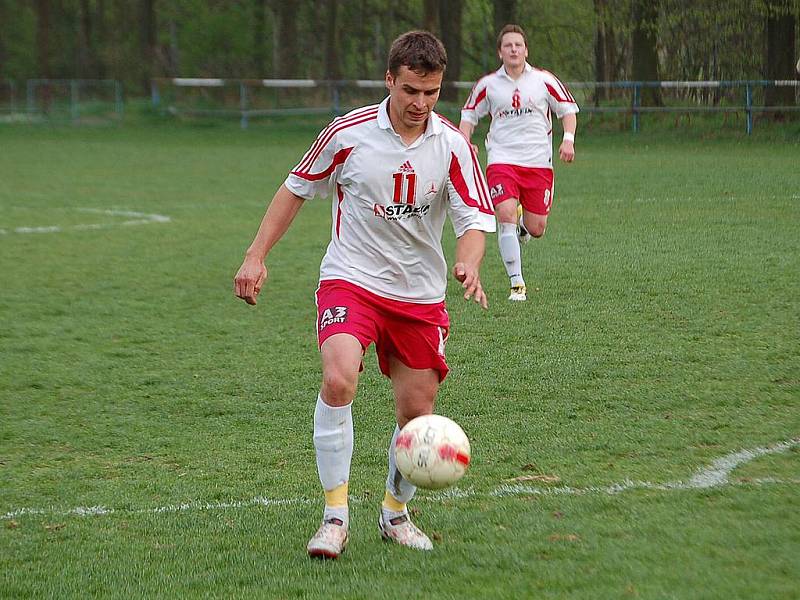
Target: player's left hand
<point x="566" y="151"/>
<point x="471" y="282"/>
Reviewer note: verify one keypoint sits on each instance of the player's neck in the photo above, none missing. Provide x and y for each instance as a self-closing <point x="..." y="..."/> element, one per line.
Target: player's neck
<point x="514" y="72"/>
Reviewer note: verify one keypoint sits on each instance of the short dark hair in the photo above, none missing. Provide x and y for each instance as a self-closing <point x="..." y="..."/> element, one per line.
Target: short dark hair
<point x="420" y="51"/>
<point x="511" y="28"/>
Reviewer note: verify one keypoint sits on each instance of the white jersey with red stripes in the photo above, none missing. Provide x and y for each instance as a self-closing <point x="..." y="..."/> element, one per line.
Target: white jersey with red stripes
<point x="390" y="201"/>
<point x="521" y="131"/>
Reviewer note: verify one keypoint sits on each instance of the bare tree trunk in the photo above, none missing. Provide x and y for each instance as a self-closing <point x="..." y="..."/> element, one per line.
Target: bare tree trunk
<point x="450" y="12"/>
<point x="43" y="48"/>
<point x="147" y="42"/>
<point x="85" y="52"/>
<point x="101" y="35"/>
<point x="505" y="12"/>
<point x="600" y="71"/>
<point x="645" y="57"/>
<point x="259" y="38"/>
<point x="332" y="64"/>
<point x="780" y="35"/>
<point x="431" y="16"/>
<point x="287" y="38"/>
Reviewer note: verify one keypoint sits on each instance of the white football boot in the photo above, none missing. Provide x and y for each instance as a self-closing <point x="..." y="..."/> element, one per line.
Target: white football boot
<point x="329" y="541"/>
<point x="400" y="529"/>
<point x="519" y="293"/>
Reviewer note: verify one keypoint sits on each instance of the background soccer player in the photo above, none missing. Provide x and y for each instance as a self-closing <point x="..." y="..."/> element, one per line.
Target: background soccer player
<point x="519" y="99"/>
<point x="396" y="170"/>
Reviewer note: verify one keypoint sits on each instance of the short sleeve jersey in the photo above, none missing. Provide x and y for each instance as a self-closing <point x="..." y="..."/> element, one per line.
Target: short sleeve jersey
<point x="521" y="132"/>
<point x="390" y="201"/>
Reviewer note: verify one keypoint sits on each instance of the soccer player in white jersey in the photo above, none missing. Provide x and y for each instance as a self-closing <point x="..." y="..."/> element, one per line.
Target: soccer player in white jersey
<point x="520" y="100"/>
<point x="395" y="170"/>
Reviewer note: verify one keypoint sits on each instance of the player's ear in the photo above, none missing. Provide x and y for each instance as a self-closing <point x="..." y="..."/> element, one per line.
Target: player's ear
<point x="389" y="79"/>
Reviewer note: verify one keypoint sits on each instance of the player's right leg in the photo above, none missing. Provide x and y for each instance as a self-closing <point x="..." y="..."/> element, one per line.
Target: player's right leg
<point x="508" y="241"/>
<point x="333" y="440"/>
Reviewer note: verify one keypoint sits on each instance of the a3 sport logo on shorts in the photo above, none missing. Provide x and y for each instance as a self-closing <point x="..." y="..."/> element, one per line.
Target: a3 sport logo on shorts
<point x="334" y="314"/>
<point x="496" y="191"/>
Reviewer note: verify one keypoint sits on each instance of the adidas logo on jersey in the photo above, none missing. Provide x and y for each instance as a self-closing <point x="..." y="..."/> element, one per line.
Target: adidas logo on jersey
<point x="406" y="168"/>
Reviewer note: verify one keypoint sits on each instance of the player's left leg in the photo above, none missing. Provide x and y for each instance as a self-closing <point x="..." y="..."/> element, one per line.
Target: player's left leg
<point x="415" y="394"/>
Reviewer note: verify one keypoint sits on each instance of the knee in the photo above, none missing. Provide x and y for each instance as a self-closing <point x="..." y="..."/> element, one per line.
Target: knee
<point x="338" y="388"/>
<point x="536" y="227"/>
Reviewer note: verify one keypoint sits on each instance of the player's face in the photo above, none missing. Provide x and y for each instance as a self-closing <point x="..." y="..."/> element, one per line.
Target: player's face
<point x="412" y="97"/>
<point x="513" y="50"/>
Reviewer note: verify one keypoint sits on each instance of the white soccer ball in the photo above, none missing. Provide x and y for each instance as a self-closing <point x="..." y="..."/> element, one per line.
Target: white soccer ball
<point x="432" y="452"/>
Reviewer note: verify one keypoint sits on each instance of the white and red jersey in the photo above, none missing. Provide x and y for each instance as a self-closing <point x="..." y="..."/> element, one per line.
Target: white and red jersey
<point x="390" y="201"/>
<point x="521" y="132"/>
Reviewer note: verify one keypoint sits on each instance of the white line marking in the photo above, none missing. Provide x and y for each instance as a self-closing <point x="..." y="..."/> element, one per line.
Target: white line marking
<point x="715" y="475"/>
<point x="136" y="218"/>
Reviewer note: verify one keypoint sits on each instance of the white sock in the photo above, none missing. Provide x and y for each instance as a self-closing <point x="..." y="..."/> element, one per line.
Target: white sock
<point x="337" y="512"/>
<point x="333" y="442"/>
<point x="398" y="486"/>
<point x="510" y="253"/>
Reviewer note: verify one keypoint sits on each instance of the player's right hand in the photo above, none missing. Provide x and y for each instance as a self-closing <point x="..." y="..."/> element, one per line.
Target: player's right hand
<point x="249" y="279"/>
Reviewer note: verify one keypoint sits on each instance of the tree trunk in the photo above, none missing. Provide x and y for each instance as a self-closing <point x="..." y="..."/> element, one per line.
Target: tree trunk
<point x="287" y="38"/>
<point x="450" y="12"/>
<point x="147" y="42"/>
<point x="505" y="12"/>
<point x="259" y="38"/>
<point x="43" y="38"/>
<point x="600" y="71"/>
<point x="332" y="64"/>
<point x="43" y="48"/>
<point x="85" y="51"/>
<point x="432" y="9"/>
<point x="780" y="34"/>
<point x="645" y="57"/>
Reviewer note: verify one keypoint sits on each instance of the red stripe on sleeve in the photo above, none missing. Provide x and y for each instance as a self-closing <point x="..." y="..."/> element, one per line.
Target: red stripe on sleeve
<point x="556" y="95"/>
<point x="457" y="178"/>
<point x="474" y="105"/>
<point x="338" y="159"/>
<point x="330" y="131"/>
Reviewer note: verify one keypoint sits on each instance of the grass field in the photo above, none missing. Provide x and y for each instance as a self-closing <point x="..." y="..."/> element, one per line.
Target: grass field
<point x="635" y="425"/>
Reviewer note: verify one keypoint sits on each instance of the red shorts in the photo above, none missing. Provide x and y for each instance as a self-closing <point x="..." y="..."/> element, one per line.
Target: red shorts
<point x="532" y="186"/>
<point x="414" y="333"/>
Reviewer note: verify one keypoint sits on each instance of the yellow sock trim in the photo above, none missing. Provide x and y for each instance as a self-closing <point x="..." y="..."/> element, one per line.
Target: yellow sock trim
<point x="337" y="496"/>
<point x="391" y="503"/>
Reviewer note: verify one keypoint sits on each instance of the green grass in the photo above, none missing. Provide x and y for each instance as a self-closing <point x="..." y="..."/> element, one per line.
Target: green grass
<point x="661" y="334"/>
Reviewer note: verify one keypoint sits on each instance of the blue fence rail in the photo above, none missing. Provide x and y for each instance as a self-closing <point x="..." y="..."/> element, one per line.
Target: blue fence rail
<point x="249" y="98"/>
<point x="71" y="99"/>
<point x="245" y="98"/>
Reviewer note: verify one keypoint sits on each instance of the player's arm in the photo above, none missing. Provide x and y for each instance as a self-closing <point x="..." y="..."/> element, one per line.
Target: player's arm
<point x="279" y="215"/>
<point x="467" y="129"/>
<point x="566" y="151"/>
<point x="470" y="248"/>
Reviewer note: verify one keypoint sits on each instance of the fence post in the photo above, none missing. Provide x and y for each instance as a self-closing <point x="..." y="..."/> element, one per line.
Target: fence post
<point x="120" y="106"/>
<point x="155" y="96"/>
<point x="243" y="104"/>
<point x="636" y="103"/>
<point x="30" y="91"/>
<point x="74" y="110"/>
<point x="335" y="97"/>
<point x="748" y="106"/>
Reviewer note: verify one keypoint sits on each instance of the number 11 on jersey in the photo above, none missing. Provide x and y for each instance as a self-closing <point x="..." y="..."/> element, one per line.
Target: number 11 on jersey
<point x="407" y="180"/>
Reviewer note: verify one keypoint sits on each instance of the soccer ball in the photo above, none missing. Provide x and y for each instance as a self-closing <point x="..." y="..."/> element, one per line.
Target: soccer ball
<point x="432" y="452"/>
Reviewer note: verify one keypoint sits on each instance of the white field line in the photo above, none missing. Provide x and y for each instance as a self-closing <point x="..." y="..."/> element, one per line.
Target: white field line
<point x="135" y="218"/>
<point x="715" y="475"/>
